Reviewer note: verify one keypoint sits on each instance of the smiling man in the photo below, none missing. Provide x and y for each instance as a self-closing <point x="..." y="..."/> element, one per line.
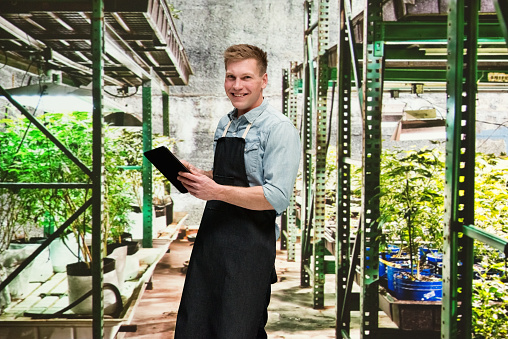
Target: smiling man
<point x="257" y="154"/>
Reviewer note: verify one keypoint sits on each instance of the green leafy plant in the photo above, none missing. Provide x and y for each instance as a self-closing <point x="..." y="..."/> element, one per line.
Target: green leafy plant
<point x="412" y="198"/>
<point x="491" y="195"/>
<point x="490" y="309"/>
<point x="29" y="157"/>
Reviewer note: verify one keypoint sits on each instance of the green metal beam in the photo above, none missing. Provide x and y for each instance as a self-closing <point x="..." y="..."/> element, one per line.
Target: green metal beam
<point x="467" y="170"/>
<point x="147" y="166"/>
<point x="415" y="75"/>
<point x="433" y="75"/>
<point x="321" y="147"/>
<point x="165" y="113"/>
<point x="490" y="239"/>
<point x="432" y="32"/>
<point x="97" y="38"/>
<point x="371" y="113"/>
<point x="463" y="29"/>
<point x="307" y="127"/>
<point x="47" y="185"/>
<point x="71" y="5"/>
<point x="343" y="198"/>
<point x="292" y="114"/>
<point x="353" y="52"/>
<point x="449" y="310"/>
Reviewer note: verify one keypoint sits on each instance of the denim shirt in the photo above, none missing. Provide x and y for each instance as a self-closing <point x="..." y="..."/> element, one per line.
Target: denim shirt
<point x="272" y="151"/>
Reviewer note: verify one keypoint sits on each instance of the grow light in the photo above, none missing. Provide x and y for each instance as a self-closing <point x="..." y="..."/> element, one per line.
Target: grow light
<point x="59" y="98"/>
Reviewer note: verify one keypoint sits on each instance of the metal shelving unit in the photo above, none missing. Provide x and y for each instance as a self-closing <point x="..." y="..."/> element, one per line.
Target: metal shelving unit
<point x="121" y="44"/>
<point x="373" y="52"/>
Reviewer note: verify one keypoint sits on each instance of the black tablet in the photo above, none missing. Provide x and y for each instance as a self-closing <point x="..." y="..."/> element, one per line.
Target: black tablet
<point x="169" y="165"/>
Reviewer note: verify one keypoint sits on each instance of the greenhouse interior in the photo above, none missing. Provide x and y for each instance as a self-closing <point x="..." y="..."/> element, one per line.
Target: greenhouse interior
<point x="396" y="226"/>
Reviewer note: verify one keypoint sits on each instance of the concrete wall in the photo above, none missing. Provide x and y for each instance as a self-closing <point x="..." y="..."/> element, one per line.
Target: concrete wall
<point x="207" y="28"/>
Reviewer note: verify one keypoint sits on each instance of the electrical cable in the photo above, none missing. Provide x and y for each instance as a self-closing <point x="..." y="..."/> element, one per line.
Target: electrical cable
<point x="122" y="96"/>
<point x="499" y="125"/>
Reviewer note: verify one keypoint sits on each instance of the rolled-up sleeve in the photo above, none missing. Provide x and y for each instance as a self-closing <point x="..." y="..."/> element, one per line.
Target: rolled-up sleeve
<point x="280" y="164"/>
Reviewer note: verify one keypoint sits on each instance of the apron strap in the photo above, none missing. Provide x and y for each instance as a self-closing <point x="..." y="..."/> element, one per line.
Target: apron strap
<point x="244" y="134"/>
<point x="226" y="129"/>
<point x="246" y="131"/>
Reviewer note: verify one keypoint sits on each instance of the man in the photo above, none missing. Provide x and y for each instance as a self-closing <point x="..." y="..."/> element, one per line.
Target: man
<point x="257" y="154"/>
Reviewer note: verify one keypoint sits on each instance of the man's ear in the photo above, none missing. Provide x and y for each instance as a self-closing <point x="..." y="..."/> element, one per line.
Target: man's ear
<point x="265" y="80"/>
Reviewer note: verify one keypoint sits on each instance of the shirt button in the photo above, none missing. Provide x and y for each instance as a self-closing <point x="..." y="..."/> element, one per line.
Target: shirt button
<point x="234" y="133"/>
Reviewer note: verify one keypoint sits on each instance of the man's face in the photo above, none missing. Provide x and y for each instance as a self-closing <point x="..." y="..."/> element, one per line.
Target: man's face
<point x="243" y="84"/>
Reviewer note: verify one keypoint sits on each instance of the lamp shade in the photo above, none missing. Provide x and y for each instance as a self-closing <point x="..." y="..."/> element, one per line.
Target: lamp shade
<point x="59" y="98"/>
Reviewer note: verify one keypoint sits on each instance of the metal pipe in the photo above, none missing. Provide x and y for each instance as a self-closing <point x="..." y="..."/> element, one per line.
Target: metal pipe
<point x="486" y="237"/>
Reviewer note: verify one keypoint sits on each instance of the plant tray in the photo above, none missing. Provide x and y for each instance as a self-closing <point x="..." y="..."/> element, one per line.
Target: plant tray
<point x="411" y="315"/>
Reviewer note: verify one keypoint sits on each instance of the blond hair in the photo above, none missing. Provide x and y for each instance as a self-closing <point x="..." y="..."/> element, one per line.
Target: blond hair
<point x="243" y="52"/>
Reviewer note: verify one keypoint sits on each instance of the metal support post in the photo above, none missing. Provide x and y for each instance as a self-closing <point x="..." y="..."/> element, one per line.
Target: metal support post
<point x="372" y="88"/>
<point x="460" y="165"/>
<point x="97" y="37"/>
<point x="147" y="167"/>
<point x="306" y="208"/>
<point x="285" y="110"/>
<point x="321" y="148"/>
<point x="291" y="213"/>
<point x="343" y="231"/>
<point x="165" y="112"/>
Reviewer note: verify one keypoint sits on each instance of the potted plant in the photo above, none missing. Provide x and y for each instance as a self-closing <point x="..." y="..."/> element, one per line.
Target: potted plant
<point x="411" y="203"/>
<point x="33" y="158"/>
<point x="17" y="217"/>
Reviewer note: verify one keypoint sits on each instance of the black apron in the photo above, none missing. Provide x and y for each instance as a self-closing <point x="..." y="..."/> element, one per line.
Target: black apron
<point x="227" y="288"/>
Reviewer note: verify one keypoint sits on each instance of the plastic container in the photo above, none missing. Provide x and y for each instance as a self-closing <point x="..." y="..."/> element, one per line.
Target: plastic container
<point x="408" y="289"/>
<point x="396" y="267"/>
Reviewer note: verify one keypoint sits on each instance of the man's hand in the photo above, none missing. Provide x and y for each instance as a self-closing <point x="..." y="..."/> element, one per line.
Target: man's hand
<point x="199" y="183"/>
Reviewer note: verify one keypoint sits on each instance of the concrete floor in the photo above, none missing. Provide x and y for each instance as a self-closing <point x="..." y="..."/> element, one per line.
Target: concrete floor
<point x="291" y="315"/>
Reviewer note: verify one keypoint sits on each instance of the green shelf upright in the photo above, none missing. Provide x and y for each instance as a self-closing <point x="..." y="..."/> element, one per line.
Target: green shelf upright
<point x="344" y="277"/>
<point x="460" y="164"/>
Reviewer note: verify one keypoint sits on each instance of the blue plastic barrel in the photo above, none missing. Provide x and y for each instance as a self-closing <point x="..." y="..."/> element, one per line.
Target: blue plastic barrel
<point x="408" y="289"/>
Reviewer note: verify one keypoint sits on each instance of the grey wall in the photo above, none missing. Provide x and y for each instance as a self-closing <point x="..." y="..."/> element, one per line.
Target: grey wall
<point x="206" y="29"/>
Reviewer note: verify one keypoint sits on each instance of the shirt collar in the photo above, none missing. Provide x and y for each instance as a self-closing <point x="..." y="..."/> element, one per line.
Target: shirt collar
<point x="252" y="114"/>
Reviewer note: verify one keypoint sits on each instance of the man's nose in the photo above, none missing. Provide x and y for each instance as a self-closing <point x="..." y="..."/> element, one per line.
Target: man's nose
<point x="238" y="84"/>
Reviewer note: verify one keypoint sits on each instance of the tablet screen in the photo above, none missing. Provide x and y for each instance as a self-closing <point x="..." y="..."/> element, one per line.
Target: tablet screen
<point x="168" y="164"/>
